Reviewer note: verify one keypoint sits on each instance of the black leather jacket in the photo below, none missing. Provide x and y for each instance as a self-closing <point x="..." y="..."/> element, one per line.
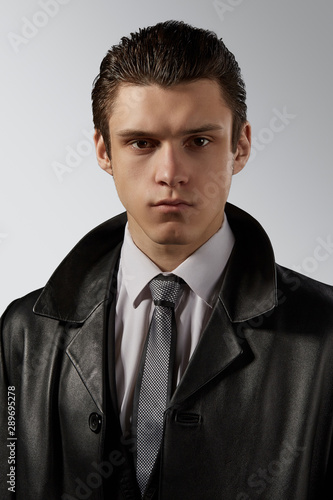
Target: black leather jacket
<point x="251" y="417"/>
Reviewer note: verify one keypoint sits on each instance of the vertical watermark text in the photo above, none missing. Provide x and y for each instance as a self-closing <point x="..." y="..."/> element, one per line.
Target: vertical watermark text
<point x="11" y="444"/>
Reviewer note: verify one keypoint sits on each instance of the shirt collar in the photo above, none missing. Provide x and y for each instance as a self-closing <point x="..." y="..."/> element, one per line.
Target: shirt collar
<point x="208" y="261"/>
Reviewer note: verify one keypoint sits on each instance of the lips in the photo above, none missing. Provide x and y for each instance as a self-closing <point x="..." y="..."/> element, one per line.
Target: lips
<point x="172" y="203"/>
<point x="172" y="206"/>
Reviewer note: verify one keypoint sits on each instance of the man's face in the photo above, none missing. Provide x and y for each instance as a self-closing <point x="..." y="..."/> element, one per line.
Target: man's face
<point x="172" y="162"/>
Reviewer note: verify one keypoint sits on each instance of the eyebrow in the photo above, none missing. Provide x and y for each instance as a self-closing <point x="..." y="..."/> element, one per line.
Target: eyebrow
<point x="146" y="133"/>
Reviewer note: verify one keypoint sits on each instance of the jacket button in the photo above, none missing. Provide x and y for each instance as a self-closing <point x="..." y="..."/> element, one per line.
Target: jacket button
<point x="95" y="422"/>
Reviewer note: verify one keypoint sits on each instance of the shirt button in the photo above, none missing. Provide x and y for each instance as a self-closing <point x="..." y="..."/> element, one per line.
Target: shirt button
<point x="95" y="422"/>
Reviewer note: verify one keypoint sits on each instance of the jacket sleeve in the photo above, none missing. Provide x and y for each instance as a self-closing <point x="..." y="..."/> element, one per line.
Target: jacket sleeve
<point x="7" y="418"/>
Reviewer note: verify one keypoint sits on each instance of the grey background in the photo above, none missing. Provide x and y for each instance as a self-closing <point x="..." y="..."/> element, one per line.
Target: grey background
<point x="285" y="51"/>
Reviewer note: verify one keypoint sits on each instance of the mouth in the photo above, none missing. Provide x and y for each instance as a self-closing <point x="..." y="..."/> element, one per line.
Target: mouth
<point x="172" y="205"/>
<point x="172" y="202"/>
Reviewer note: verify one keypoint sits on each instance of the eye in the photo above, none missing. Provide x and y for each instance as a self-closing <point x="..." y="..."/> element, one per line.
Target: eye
<point x="199" y="142"/>
<point x="141" y="144"/>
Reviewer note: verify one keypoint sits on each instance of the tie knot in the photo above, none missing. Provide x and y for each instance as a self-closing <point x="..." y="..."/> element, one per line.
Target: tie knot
<point x="165" y="290"/>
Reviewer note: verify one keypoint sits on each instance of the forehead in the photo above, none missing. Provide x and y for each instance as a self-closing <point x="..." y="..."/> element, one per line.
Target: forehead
<point x="153" y="106"/>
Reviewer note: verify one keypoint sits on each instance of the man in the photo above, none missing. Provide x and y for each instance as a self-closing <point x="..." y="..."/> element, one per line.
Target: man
<point x="169" y="357"/>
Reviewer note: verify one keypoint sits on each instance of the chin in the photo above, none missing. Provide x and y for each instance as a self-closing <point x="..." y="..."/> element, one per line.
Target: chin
<point x="171" y="237"/>
<point x="171" y="240"/>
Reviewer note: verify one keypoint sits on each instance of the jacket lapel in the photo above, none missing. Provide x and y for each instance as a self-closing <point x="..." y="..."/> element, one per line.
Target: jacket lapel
<point x="86" y="353"/>
<point x="216" y="351"/>
<point x="91" y="348"/>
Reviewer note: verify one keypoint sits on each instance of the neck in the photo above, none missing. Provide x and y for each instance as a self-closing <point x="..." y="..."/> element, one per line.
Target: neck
<point x="167" y="259"/>
<point x="168" y="256"/>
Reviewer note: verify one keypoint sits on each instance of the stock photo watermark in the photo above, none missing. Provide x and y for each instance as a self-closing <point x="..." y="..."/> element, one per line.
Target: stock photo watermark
<point x="277" y="124"/>
<point x="322" y="252"/>
<point x="223" y="8"/>
<point x="11" y="440"/>
<point x="74" y="155"/>
<point x="30" y="27"/>
<point x="263" y="477"/>
<point x="100" y="472"/>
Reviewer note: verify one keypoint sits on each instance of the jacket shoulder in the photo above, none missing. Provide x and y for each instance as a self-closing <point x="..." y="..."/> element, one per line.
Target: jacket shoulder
<point x="307" y="303"/>
<point x="17" y="324"/>
<point x="18" y="319"/>
<point x="307" y="288"/>
<point x="21" y="310"/>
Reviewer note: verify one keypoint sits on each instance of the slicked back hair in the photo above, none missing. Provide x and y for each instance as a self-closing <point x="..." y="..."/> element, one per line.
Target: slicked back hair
<point x="168" y="54"/>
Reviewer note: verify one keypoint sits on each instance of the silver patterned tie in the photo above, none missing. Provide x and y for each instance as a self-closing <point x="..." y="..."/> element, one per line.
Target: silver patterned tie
<point x="154" y="384"/>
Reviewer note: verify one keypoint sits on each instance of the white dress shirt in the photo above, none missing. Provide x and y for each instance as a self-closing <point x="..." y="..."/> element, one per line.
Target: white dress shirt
<point x="134" y="308"/>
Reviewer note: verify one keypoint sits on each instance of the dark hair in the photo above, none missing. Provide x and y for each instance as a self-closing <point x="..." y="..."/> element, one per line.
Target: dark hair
<point x="167" y="54"/>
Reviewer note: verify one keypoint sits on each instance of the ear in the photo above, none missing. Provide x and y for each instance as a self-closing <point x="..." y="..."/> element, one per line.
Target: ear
<point x="243" y="148"/>
<point x="102" y="157"/>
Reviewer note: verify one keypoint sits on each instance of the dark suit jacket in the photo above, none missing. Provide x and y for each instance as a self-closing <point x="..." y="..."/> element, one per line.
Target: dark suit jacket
<point x="251" y="418"/>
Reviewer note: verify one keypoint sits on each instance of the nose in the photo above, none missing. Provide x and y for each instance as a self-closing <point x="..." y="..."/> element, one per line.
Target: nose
<point x="170" y="166"/>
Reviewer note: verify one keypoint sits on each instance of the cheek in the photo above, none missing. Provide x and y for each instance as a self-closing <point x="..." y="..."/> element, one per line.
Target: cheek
<point x="130" y="188"/>
<point x="120" y="184"/>
<point x="216" y="181"/>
